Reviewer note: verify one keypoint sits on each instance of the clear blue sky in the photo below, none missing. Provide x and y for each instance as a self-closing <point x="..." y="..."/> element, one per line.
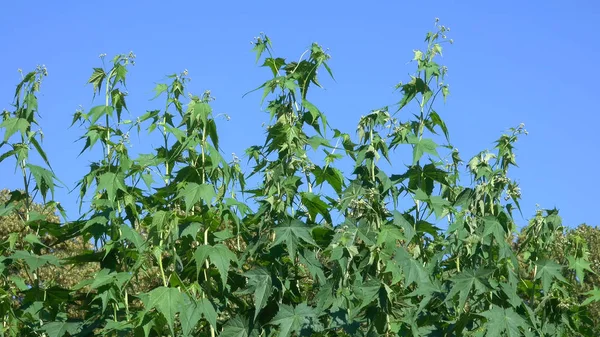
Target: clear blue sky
<point x="512" y="61"/>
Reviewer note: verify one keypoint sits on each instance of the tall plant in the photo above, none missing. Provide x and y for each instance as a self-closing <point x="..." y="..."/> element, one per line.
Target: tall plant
<point x="307" y="250"/>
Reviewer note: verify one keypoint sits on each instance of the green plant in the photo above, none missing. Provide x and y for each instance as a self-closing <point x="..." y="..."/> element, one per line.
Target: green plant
<point x="273" y="259"/>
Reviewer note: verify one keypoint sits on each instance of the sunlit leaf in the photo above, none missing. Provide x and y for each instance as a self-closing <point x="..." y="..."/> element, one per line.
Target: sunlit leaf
<point x="167" y="301"/>
<point x="292" y="232"/>
<point x="192" y="193"/>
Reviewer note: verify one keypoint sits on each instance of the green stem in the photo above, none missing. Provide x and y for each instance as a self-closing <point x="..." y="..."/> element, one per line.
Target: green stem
<point x="107" y="139"/>
<point x="160" y="265"/>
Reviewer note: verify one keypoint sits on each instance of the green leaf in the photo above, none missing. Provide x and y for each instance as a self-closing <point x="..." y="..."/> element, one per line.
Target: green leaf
<point x="493" y="227"/>
<point x="167" y="301"/>
<point x="7" y="154"/>
<point x="409" y="91"/>
<point x="219" y="255"/>
<point x="594" y="296"/>
<point x="211" y="129"/>
<point x="103" y="277"/>
<point x="503" y="322"/>
<point x="35" y="261"/>
<point x="467" y="280"/>
<point x="18" y="281"/>
<point x="332" y="175"/>
<point x="238" y="326"/>
<point x="292" y="232"/>
<point x="208" y="311"/>
<point x="310" y="259"/>
<point x="192" y="193"/>
<point x="96" y="79"/>
<point x="580" y="265"/>
<point x="547" y="271"/>
<point x="315" y="113"/>
<point x="114" y="326"/>
<point x="128" y="233"/>
<point x="439" y="205"/>
<point x="511" y="292"/>
<point x="159" y="89"/>
<point x="260" y="282"/>
<point x="44" y="179"/>
<point x="99" y="111"/>
<point x="424" y="145"/>
<point x="222" y="257"/>
<point x="389" y="235"/>
<point x="33" y="239"/>
<point x="59" y="329"/>
<point x="192" y="311"/>
<point x="6" y="209"/>
<point x="274" y="64"/>
<point x="111" y="182"/>
<point x="192" y="230"/>
<point x="315" y="206"/>
<point x="400" y="221"/>
<point x="413" y="270"/>
<point x="290" y="319"/>
<point x="40" y="151"/>
<point x="190" y="315"/>
<point x="437" y="120"/>
<point x="12" y="125"/>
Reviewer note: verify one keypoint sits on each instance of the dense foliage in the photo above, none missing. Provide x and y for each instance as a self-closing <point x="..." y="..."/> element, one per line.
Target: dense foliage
<point x="307" y="250"/>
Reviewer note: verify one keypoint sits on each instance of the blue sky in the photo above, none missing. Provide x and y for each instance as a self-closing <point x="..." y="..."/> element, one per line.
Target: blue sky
<point x="512" y="62"/>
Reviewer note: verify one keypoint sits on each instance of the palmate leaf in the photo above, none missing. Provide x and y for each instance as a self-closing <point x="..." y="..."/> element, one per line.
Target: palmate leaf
<point x="493" y="227"/>
<point x="260" y="282"/>
<point x="222" y="257"/>
<point x="219" y="255"/>
<point x="410" y="91"/>
<point x="98" y="112"/>
<point x="580" y="265"/>
<point x="366" y="292"/>
<point x="190" y="316"/>
<point x="310" y="259"/>
<point x="44" y="179"/>
<point x="40" y="151"/>
<point x="12" y="125"/>
<point x="167" y="301"/>
<point x="294" y="319"/>
<point x="192" y="193"/>
<point x="548" y="271"/>
<point x="111" y="182"/>
<point x="239" y="326"/>
<point x="389" y="235"/>
<point x="59" y="329"/>
<point x="96" y="79"/>
<point x="332" y="175"/>
<point x="35" y="261"/>
<point x="594" y="296"/>
<point x="413" y="270"/>
<point x="128" y="233"/>
<point x="421" y="146"/>
<point x="315" y="206"/>
<point x="503" y="322"/>
<point x="192" y="311"/>
<point x="467" y="280"/>
<point x="400" y="221"/>
<point x="510" y="290"/>
<point x="120" y="328"/>
<point x="292" y="232"/>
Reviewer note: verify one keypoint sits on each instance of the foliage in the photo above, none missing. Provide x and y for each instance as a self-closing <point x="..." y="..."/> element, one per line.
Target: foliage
<point x="579" y="248"/>
<point x="308" y="250"/>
